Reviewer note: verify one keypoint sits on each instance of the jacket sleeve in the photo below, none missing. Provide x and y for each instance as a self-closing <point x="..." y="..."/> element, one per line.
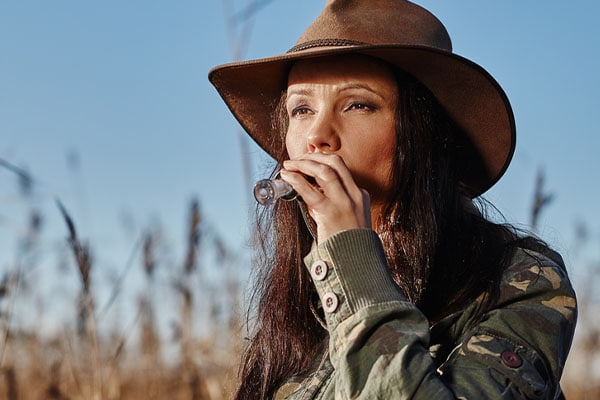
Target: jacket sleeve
<point x="379" y="342"/>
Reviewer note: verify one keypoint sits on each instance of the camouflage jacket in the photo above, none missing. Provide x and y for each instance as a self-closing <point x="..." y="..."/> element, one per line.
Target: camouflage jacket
<point x="382" y="347"/>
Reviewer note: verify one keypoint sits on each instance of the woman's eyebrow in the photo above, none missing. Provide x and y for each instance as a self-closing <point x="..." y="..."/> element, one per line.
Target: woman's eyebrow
<point x="359" y="85"/>
<point x="303" y="91"/>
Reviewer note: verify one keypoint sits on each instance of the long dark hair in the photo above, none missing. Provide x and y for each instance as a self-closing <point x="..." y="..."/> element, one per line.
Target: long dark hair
<point x="442" y="251"/>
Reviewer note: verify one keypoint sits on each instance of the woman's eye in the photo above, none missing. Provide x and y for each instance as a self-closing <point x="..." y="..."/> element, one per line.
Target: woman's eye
<point x="301" y="110"/>
<point x="361" y="106"/>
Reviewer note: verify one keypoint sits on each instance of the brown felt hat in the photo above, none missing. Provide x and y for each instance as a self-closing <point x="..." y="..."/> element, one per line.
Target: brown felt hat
<point x="406" y="36"/>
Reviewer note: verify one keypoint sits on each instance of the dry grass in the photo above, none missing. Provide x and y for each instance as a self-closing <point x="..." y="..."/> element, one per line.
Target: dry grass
<point x="83" y="364"/>
<point x="134" y="360"/>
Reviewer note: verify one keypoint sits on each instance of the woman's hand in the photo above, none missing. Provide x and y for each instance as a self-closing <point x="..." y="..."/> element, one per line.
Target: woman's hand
<point x="334" y="200"/>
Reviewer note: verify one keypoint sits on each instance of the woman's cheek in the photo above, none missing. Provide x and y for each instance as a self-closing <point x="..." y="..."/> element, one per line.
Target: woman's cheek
<point x="294" y="145"/>
<point x="289" y="146"/>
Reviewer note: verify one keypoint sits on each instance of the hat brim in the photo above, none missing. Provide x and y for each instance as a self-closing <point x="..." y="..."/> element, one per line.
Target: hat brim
<point x="468" y="93"/>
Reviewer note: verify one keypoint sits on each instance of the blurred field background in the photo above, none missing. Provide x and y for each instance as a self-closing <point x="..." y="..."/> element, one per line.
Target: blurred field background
<point x="124" y="182"/>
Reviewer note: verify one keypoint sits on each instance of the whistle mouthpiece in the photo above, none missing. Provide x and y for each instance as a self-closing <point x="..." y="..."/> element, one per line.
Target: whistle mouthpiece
<point x="268" y="191"/>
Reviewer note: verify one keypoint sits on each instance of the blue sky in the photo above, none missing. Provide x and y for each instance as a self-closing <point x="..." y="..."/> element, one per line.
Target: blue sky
<point x="119" y="89"/>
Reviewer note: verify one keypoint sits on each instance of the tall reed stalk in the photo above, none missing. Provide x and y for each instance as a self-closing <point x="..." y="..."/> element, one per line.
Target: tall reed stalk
<point x="86" y="320"/>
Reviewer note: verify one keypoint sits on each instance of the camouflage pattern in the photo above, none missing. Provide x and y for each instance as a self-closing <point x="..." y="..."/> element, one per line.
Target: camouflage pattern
<point x="382" y="347"/>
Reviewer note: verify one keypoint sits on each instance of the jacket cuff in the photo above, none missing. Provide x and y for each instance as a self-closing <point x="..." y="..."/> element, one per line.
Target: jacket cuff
<point x="350" y="273"/>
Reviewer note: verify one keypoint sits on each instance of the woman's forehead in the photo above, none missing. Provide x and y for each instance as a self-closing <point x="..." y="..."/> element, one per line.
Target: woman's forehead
<point x="341" y="68"/>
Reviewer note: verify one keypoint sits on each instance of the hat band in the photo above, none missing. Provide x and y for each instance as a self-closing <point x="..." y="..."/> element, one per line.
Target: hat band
<point x="324" y="43"/>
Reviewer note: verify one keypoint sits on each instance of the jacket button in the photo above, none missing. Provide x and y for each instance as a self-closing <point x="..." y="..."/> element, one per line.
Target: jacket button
<point x="318" y="270"/>
<point x="511" y="359"/>
<point x="330" y="302"/>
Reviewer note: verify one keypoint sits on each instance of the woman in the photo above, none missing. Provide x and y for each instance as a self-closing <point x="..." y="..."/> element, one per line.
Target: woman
<point x="384" y="280"/>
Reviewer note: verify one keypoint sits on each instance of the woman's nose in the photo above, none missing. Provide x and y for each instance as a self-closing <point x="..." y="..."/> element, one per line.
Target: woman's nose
<point x="323" y="136"/>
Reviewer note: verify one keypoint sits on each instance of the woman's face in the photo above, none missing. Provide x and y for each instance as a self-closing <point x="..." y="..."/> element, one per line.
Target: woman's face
<point x="345" y="105"/>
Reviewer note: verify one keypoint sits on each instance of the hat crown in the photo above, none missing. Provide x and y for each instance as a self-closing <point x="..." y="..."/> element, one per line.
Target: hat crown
<point x="376" y="22"/>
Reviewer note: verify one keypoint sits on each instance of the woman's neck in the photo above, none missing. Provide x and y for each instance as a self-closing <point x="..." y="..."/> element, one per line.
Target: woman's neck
<point x="376" y="211"/>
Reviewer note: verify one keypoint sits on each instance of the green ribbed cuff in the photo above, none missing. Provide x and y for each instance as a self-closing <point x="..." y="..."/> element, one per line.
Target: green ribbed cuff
<point x="359" y="274"/>
<point x="362" y="268"/>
